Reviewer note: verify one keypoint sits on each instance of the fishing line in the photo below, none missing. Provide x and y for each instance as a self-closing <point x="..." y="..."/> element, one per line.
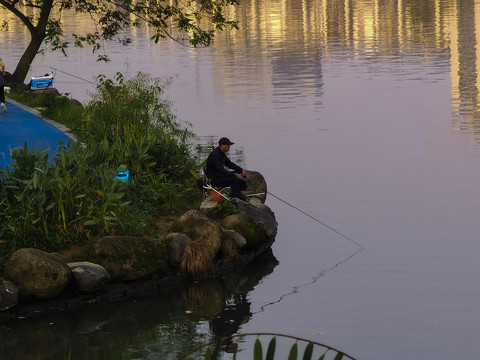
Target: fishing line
<point x="294" y="290"/>
<point x="75" y="76"/>
<point x="320" y="222"/>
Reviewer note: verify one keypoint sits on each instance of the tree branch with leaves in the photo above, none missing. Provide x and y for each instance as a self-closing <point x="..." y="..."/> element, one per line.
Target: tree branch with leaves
<point x="190" y="22"/>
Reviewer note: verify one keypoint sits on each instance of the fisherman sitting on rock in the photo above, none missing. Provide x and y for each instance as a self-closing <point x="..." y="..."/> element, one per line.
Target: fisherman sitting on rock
<point x="219" y="176"/>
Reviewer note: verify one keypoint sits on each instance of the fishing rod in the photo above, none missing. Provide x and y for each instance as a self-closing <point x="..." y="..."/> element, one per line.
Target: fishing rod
<point x="75" y="76"/>
<point x="320" y="222"/>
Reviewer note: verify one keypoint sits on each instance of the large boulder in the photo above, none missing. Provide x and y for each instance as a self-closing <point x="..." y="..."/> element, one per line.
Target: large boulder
<point x="255" y="223"/>
<point x="176" y="244"/>
<point x="257" y="186"/>
<point x="129" y="258"/>
<point x="37" y="275"/>
<point x="8" y="294"/>
<point x="262" y="215"/>
<point x="200" y="228"/>
<point x="89" y="277"/>
<point x="245" y="226"/>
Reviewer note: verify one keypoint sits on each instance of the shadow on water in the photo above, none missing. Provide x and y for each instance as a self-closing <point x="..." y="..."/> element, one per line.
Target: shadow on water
<point x="154" y="328"/>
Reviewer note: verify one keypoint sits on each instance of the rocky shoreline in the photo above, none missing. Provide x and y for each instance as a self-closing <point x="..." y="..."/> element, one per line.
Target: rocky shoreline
<point x="112" y="292"/>
<point x="116" y="268"/>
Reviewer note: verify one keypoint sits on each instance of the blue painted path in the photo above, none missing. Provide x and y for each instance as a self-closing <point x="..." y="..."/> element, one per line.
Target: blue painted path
<point x="21" y="124"/>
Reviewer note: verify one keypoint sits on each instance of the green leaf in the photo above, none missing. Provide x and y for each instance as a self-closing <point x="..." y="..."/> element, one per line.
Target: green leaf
<point x="339" y="356"/>
<point x="208" y="354"/>
<point x="257" y="350"/>
<point x="307" y="355"/>
<point x="271" y="349"/>
<point x="195" y="174"/>
<point x="35" y="180"/>
<point x="293" y="352"/>
<point x="109" y="218"/>
<point x="51" y="206"/>
<point x="323" y="356"/>
<point x="91" y="222"/>
<point x="216" y="351"/>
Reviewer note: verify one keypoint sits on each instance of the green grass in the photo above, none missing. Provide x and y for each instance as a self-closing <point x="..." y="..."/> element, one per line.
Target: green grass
<point x="52" y="106"/>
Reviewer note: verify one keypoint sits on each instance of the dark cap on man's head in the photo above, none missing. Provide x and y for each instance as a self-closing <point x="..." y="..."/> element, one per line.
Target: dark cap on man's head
<point x="225" y="141"/>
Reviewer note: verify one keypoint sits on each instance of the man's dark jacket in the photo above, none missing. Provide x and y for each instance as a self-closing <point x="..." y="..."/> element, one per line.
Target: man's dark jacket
<point x="216" y="162"/>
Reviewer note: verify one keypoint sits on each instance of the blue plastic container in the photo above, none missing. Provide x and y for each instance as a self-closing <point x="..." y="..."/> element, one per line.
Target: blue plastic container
<point x="42" y="82"/>
<point x="122" y="175"/>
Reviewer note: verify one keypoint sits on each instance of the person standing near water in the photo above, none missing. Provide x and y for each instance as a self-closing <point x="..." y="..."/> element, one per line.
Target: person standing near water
<point x="2" y="87"/>
<point x="219" y="176"/>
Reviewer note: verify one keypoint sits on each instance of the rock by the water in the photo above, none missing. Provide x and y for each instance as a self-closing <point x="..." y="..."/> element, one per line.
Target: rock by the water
<point x="265" y="208"/>
<point x="89" y="277"/>
<point x="244" y="225"/>
<point x="176" y="244"/>
<point x="8" y="294"/>
<point x="261" y="215"/>
<point x="257" y="185"/>
<point x="256" y="222"/>
<point x="129" y="258"/>
<point x="237" y="239"/>
<point x="202" y="229"/>
<point x="37" y="274"/>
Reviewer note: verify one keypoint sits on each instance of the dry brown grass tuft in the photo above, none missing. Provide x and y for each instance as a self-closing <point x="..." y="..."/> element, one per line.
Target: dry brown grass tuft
<point x="229" y="251"/>
<point x="197" y="260"/>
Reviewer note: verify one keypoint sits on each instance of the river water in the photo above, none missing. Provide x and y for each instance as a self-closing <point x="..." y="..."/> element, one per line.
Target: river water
<point x="362" y="114"/>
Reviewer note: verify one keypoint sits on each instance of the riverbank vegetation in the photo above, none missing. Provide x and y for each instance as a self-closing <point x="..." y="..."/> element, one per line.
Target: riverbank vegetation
<point x="74" y="197"/>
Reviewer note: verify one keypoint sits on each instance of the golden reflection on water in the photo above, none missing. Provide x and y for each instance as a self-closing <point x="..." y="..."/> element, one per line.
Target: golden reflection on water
<point x="431" y="31"/>
<point x="438" y="35"/>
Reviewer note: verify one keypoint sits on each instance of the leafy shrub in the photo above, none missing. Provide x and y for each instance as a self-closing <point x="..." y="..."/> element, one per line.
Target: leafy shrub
<point x="47" y="203"/>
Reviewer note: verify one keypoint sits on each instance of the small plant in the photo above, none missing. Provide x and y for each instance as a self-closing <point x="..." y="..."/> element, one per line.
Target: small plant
<point x="222" y="210"/>
<point x="228" y="348"/>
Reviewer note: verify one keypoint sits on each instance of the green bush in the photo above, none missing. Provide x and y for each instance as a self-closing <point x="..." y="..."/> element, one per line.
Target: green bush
<point x="47" y="203"/>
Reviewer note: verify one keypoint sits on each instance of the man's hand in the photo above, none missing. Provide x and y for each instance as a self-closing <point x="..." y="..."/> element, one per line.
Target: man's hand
<point x="242" y="175"/>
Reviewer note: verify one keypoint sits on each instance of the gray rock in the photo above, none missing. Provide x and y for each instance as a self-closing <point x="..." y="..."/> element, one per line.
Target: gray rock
<point x="249" y="229"/>
<point x="256" y="185"/>
<point x="176" y="244"/>
<point x="237" y="239"/>
<point x="8" y="294"/>
<point x="265" y="208"/>
<point x="37" y="274"/>
<point x="262" y="215"/>
<point x="89" y="277"/>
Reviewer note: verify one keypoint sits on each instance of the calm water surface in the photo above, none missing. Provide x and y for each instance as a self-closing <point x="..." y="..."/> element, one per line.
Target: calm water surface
<point x="365" y="115"/>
